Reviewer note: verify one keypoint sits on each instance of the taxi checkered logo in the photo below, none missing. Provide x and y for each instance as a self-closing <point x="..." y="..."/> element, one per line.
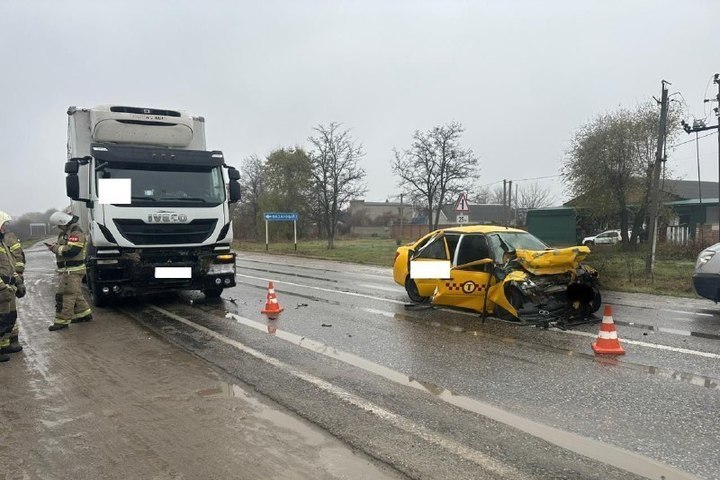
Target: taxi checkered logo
<point x="466" y="287"/>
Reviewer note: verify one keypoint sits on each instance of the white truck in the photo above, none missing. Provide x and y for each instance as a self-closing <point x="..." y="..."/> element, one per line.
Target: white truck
<point x="152" y="201"/>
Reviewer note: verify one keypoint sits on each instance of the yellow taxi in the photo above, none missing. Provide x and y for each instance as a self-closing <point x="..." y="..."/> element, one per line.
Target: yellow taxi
<point x="506" y="272"/>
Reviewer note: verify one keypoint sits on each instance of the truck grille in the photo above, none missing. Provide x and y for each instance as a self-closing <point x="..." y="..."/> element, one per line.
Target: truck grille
<point x="141" y="233"/>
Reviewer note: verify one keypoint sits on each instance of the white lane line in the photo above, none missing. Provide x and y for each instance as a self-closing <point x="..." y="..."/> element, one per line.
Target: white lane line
<point x="381" y="287"/>
<point x="588" y="447"/>
<point x="329" y="290"/>
<point x="460" y="312"/>
<point x="646" y="344"/>
<point x="393" y="419"/>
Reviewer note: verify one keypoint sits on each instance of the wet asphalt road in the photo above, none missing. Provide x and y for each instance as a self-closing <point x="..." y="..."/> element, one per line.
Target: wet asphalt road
<point x="439" y="394"/>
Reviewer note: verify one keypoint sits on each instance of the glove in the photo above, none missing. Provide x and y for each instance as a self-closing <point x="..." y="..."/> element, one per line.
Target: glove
<point x="7" y="293"/>
<point x="20" y="290"/>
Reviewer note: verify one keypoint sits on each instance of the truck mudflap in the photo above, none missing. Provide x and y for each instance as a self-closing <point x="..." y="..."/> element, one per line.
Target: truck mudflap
<point x="129" y="272"/>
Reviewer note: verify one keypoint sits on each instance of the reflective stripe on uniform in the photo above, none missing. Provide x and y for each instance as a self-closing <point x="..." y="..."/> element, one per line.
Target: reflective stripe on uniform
<point x="84" y="313"/>
<point x="79" y="268"/>
<point x="15" y="247"/>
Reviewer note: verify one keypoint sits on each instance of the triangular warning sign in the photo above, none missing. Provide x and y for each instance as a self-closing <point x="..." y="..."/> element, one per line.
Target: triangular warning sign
<point x="462" y="204"/>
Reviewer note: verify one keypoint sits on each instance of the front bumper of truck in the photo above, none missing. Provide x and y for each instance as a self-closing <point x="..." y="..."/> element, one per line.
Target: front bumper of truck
<point x="120" y="272"/>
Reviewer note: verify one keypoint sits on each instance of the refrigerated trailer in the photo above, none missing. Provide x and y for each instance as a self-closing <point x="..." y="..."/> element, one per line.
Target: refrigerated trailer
<point x="153" y="201"/>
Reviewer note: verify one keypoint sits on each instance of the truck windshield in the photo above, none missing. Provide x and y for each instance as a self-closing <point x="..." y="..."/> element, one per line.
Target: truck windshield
<point x="172" y="186"/>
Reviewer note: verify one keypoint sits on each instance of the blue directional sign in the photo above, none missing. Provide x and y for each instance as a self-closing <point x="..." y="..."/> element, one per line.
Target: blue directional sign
<point x="281" y="216"/>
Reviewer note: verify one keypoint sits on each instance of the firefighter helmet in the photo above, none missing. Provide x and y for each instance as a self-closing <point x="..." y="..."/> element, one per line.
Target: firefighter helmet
<point x="61" y="219"/>
<point x="4" y="217"/>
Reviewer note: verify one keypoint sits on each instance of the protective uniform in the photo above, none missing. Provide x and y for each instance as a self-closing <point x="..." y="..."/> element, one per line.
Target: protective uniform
<point x="8" y="281"/>
<point x="69" y="250"/>
<point x="19" y="255"/>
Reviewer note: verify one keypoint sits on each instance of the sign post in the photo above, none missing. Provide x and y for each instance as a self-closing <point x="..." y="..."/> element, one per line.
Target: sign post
<point x="280" y="217"/>
<point x="462" y="208"/>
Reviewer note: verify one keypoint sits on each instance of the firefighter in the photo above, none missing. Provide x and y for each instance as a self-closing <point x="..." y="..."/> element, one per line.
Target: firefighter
<point x="19" y="255"/>
<point x="69" y="250"/>
<point x="8" y="289"/>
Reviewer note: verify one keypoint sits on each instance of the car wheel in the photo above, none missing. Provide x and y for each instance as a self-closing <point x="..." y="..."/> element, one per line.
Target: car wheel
<point x="516" y="299"/>
<point x="412" y="291"/>
<point x="596" y="302"/>
<point x="589" y="243"/>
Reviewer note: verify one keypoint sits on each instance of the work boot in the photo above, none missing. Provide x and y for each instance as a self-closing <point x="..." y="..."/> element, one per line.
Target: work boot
<point x="86" y="318"/>
<point x="57" y="326"/>
<point x="12" y="348"/>
<point x="4" y="357"/>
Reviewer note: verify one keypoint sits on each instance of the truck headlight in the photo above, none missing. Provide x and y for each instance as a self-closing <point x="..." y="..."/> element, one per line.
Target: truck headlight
<point x="221" y="268"/>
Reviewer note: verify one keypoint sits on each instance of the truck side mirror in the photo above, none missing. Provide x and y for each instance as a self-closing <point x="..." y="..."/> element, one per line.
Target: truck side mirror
<point x="72" y="182"/>
<point x="234" y="185"/>
<point x="72" y="186"/>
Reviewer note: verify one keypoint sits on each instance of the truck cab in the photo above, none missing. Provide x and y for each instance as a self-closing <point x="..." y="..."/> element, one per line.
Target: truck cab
<point x="152" y="201"/>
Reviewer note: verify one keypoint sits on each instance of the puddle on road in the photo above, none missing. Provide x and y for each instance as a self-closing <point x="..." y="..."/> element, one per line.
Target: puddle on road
<point x="337" y="460"/>
<point x="606" y="453"/>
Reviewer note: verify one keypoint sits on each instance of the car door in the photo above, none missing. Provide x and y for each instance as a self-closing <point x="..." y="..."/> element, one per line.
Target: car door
<point x="469" y="275"/>
<point x="436" y="251"/>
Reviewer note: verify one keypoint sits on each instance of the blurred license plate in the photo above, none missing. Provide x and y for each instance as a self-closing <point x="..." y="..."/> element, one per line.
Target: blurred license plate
<point x="173" y="272"/>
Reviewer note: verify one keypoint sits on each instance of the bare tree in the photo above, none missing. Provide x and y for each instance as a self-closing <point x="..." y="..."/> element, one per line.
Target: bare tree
<point x="337" y="177"/>
<point x="435" y="168"/>
<point x="252" y="183"/>
<point x="533" y="195"/>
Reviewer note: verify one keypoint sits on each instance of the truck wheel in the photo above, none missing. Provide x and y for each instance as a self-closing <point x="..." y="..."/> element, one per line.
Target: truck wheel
<point x="96" y="296"/>
<point x="412" y="291"/>
<point x="212" y="292"/>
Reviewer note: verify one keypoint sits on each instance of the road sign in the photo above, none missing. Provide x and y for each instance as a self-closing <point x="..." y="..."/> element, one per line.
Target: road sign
<point x="281" y="216"/>
<point x="462" y="204"/>
<point x="462" y="219"/>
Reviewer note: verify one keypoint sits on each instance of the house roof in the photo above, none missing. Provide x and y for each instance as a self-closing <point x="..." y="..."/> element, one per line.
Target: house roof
<point x="687" y="189"/>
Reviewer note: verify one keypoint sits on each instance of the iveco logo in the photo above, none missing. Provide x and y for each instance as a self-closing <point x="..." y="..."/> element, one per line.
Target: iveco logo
<point x="167" y="218"/>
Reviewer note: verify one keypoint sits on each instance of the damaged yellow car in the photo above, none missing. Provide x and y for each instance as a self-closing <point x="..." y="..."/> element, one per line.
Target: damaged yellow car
<point x="499" y="271"/>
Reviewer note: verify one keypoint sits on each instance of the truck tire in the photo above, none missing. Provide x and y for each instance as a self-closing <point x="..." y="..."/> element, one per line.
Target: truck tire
<point x="96" y="296"/>
<point x="212" y="292"/>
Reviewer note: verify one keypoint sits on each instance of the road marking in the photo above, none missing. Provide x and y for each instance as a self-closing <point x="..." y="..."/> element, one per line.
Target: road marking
<point x="459" y="312"/>
<point x="594" y="449"/>
<point x="381" y="287"/>
<point x="394" y="419"/>
<point x="647" y="344"/>
<point x="329" y="290"/>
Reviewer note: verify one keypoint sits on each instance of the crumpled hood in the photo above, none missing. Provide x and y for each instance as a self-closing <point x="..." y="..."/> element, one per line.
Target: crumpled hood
<point x="550" y="262"/>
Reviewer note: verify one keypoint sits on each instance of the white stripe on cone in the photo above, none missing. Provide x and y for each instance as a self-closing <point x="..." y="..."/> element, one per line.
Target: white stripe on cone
<point x="608" y="335"/>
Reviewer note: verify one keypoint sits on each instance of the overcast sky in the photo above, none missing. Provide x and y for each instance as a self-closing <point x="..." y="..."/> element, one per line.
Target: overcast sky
<point x="521" y="76"/>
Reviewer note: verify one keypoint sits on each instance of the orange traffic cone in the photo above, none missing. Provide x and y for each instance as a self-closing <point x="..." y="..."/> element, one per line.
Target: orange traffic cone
<point x="272" y="307"/>
<point x="607" y="342"/>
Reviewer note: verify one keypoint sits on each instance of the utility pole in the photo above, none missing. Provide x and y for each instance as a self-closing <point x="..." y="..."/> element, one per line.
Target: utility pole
<point x="655" y="186"/>
<point x="504" y="202"/>
<point x="401" y="218"/>
<point x="699" y="127"/>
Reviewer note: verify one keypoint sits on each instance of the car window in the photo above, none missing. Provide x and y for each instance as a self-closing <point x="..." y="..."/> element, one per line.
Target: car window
<point x="435" y="249"/>
<point x="472" y="247"/>
<point x="521" y="241"/>
<point x="452" y="243"/>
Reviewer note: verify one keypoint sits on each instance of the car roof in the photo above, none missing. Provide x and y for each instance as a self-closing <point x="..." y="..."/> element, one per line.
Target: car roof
<point x="481" y="229"/>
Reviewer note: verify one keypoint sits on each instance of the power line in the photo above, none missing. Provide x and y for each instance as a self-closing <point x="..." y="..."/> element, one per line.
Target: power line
<point x="521" y="180"/>
<point x="690" y="141"/>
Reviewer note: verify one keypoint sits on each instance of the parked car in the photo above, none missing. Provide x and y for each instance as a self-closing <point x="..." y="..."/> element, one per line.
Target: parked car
<point x="706" y="277"/>
<point x="608" y="237"/>
<point x="502" y="271"/>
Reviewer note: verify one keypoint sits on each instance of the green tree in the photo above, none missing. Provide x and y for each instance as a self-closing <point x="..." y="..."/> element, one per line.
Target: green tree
<point x="609" y="166"/>
<point x="337" y="176"/>
<point x="288" y="185"/>
<point x="435" y="168"/>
